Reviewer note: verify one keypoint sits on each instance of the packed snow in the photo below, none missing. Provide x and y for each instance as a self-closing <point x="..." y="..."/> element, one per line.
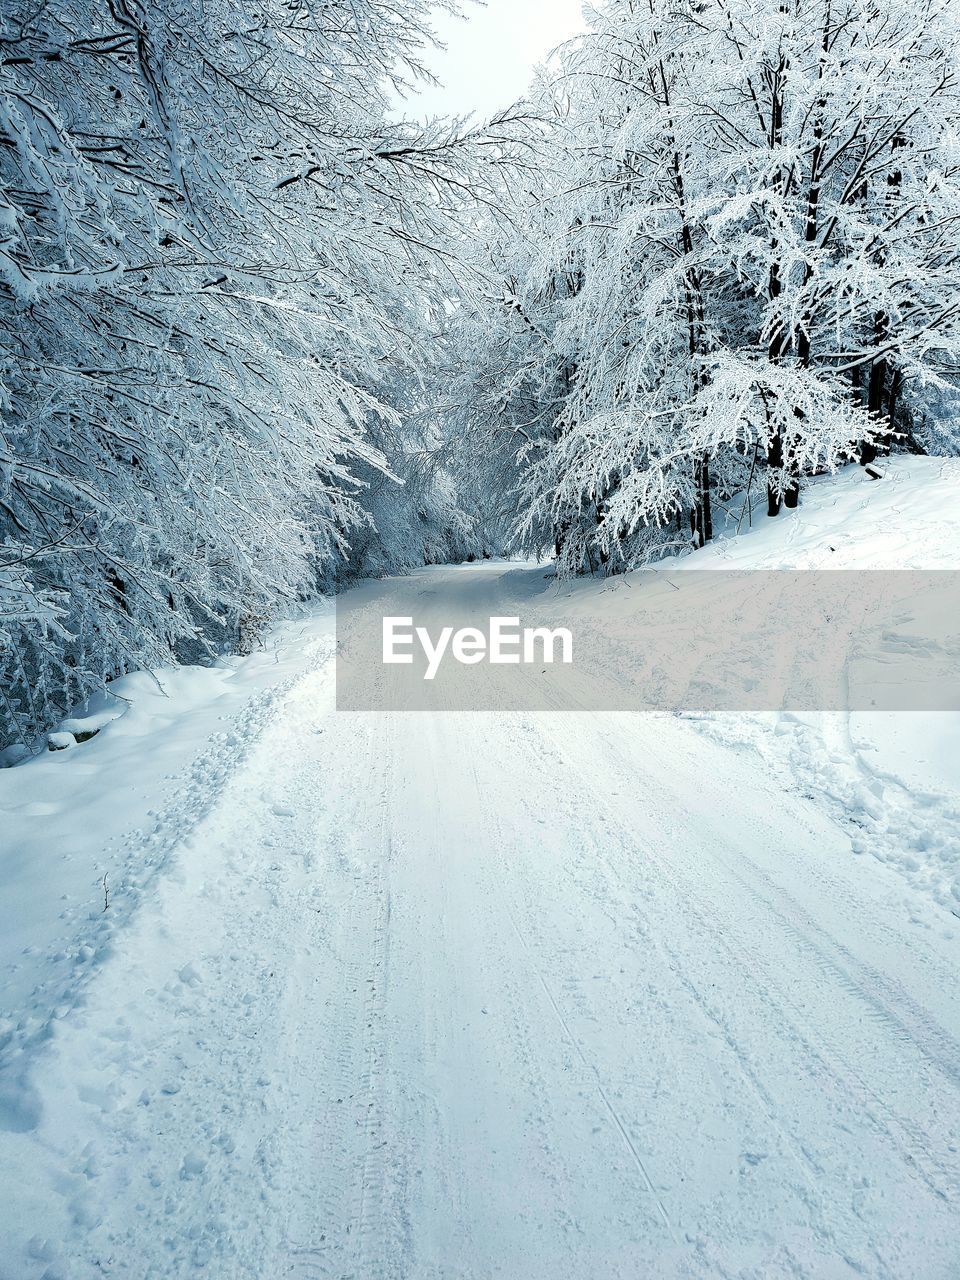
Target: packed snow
<point x="296" y="992"/>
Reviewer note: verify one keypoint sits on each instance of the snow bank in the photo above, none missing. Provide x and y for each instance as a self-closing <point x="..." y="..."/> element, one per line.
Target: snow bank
<point x="892" y="779"/>
<point x="909" y="519"/>
<point x="97" y="822"/>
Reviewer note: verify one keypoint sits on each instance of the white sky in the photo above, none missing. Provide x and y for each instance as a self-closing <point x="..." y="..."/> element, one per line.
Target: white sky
<point x="491" y="54"/>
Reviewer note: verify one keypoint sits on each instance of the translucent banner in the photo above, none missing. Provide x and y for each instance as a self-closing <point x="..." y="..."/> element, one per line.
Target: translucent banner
<point x="664" y="640"/>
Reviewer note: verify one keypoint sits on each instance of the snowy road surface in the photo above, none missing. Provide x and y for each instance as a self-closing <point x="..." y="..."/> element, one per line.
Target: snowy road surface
<point x="542" y="997"/>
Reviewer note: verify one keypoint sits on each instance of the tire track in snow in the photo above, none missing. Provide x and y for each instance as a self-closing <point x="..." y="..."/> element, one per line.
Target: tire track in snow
<point x="352" y="1202"/>
<point x="468" y="895"/>
<point x="575" y="1042"/>
<point x="657" y="936"/>
<point x="914" y="1145"/>
<point x="375" y="1216"/>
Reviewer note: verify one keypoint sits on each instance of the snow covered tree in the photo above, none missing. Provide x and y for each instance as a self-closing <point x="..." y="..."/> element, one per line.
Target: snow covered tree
<point x="638" y="325"/>
<point x="837" y="194"/>
<point x="207" y="236"/>
<point x="757" y="200"/>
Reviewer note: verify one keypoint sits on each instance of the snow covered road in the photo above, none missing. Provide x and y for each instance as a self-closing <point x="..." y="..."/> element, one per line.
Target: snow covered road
<point x="464" y="995"/>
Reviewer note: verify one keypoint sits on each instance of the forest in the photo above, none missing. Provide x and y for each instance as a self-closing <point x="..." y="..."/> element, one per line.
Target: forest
<point x="262" y="336"/>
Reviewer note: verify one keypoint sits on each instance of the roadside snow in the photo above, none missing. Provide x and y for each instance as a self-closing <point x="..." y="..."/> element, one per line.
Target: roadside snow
<point x="892" y="779"/>
<point x="85" y="831"/>
<point x="910" y="519"/>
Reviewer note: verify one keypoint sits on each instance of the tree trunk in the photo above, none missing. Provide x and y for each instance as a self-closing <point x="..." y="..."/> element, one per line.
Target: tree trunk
<point x="779" y="490"/>
<point x="599" y="515"/>
<point x="774" y="463"/>
<point x="701" y="517"/>
<point x="879" y="406"/>
<point x="706" y="511"/>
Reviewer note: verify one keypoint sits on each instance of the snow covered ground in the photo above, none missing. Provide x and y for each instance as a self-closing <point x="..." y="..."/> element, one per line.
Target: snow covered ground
<point x="892" y="780"/>
<point x="100" y="821"/>
<point x="537" y="996"/>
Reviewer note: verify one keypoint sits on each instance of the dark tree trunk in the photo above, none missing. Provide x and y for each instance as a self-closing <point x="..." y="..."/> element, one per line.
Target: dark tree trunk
<point x="880" y="405"/>
<point x="701" y="517"/>
<point x="896" y="388"/>
<point x="775" y="353"/>
<point x="876" y="386"/>
<point x="704" y="509"/>
<point x="779" y="491"/>
<point x="774" y="463"/>
<point x="604" y="555"/>
<point x="559" y="537"/>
